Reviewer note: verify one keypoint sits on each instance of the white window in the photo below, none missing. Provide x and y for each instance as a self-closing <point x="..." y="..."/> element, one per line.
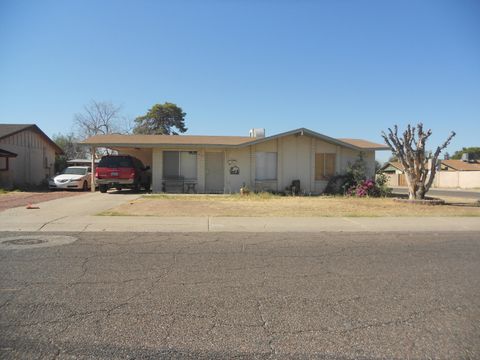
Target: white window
<point x="266" y="166"/>
<point x="180" y="164"/>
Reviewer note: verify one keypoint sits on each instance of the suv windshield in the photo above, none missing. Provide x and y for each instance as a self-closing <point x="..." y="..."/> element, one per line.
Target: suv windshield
<point x="74" y="171"/>
<point x="116" y="162"/>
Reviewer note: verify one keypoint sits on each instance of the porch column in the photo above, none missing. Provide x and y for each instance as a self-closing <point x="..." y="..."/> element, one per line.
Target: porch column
<point x="92" y="166"/>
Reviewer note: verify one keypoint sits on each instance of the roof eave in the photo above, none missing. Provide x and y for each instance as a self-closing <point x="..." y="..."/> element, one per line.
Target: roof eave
<point x="304" y="131"/>
<point x="151" y="146"/>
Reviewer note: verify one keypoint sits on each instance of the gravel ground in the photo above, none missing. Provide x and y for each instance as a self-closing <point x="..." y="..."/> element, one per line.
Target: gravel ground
<point x="16" y="199"/>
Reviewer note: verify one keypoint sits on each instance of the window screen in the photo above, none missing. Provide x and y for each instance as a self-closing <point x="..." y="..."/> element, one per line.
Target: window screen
<point x="266" y="166"/>
<point x="180" y="164"/>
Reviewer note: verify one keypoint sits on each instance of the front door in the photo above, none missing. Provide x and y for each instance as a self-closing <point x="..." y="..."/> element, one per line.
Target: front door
<point x="214" y="172"/>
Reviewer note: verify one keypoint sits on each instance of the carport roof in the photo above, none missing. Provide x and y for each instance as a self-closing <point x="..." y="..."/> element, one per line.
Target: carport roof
<point x="155" y="140"/>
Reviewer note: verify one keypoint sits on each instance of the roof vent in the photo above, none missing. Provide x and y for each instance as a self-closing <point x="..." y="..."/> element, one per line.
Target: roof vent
<point x="257" y="133"/>
<point x="467" y="157"/>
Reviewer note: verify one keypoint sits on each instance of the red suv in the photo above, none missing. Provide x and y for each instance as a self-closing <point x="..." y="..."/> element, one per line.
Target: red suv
<point x="122" y="171"/>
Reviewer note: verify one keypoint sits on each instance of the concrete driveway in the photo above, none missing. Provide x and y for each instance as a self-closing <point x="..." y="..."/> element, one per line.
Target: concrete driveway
<point x="240" y="295"/>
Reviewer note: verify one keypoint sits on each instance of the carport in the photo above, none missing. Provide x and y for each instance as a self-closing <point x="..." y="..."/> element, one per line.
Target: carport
<point x="141" y="152"/>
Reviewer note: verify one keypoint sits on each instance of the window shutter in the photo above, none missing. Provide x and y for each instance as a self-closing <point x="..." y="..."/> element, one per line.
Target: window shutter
<point x="319" y="166"/>
<point x="329" y="165"/>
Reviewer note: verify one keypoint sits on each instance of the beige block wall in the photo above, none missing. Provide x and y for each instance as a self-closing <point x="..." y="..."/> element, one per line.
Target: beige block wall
<point x="34" y="162"/>
<point x="457" y="179"/>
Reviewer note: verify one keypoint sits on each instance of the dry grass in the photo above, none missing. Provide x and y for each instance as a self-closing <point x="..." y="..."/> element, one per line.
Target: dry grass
<point x="270" y="205"/>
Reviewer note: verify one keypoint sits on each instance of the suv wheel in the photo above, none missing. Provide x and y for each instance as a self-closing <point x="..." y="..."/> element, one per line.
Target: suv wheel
<point x="136" y="187"/>
<point x="146" y="186"/>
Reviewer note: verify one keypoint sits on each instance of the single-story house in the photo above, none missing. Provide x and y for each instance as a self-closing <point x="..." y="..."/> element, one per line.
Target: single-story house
<point x="223" y="164"/>
<point x="27" y="155"/>
<point x="395" y="173"/>
<point x="450" y="174"/>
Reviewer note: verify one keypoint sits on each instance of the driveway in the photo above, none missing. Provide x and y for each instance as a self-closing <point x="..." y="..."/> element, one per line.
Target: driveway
<point x="244" y="295"/>
<point x="16" y="199"/>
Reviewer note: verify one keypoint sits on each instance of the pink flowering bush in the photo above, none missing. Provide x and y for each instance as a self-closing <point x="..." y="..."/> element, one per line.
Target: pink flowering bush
<point x="369" y="187"/>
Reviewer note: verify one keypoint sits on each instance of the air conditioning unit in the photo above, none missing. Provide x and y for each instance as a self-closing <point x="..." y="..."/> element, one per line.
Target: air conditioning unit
<point x="257" y="133"/>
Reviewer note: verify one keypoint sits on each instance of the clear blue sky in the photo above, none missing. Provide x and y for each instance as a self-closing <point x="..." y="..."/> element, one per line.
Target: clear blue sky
<point x="342" y="68"/>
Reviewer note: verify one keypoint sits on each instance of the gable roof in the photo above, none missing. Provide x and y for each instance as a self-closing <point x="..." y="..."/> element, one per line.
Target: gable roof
<point x="395" y="164"/>
<point x="219" y="141"/>
<point x="460" y="165"/>
<point x="7" y="130"/>
<point x="364" y="144"/>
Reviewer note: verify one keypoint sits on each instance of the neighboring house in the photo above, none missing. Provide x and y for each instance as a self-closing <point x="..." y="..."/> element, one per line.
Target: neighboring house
<point x="223" y="164"/>
<point x="27" y="155"/>
<point x="450" y="174"/>
<point x="395" y="173"/>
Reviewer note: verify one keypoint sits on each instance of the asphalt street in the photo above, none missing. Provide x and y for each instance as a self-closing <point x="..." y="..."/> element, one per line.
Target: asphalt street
<point x="240" y="295"/>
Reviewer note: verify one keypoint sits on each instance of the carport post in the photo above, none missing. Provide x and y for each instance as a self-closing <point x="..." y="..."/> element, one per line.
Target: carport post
<point x="92" y="166"/>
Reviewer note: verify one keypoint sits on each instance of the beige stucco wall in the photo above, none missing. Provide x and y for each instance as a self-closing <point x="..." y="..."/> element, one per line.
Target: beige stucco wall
<point x="240" y="158"/>
<point x="392" y="180"/>
<point x="457" y="179"/>
<point x="34" y="162"/>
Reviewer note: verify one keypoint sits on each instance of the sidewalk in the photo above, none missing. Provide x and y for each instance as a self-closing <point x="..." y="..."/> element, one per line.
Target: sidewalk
<point x="78" y="216"/>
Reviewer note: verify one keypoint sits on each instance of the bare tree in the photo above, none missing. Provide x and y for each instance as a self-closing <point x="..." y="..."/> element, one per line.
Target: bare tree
<point x="420" y="166"/>
<point x="98" y="118"/>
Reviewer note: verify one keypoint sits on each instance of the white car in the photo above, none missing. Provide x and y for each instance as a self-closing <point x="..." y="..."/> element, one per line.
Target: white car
<point x="73" y="177"/>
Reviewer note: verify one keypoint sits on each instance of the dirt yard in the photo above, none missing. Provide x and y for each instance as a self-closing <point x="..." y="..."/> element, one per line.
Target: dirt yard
<point x="17" y="198"/>
<point x="269" y="205"/>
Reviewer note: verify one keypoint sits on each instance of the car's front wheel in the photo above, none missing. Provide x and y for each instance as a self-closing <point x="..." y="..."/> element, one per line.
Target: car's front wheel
<point x="103" y="188"/>
<point x="85" y="186"/>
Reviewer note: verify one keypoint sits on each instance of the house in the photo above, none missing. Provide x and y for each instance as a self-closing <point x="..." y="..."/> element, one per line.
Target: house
<point x="27" y="155"/>
<point x="395" y="173"/>
<point x="223" y="164"/>
<point x="450" y="174"/>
